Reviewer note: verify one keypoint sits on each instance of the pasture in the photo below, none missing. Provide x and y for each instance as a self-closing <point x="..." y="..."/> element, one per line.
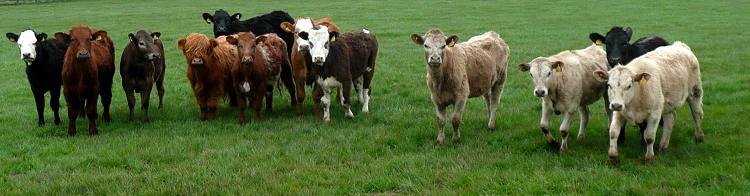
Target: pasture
<point x="390" y="150"/>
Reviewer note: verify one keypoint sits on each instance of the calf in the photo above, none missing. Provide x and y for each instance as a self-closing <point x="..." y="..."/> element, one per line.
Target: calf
<point x="209" y="63"/>
<point x="653" y="87"/>
<point x="87" y="73"/>
<point x="457" y="72"/>
<point x="300" y="56"/>
<point x="565" y="84"/>
<point x="338" y="60"/>
<point x="262" y="59"/>
<point x="621" y="52"/>
<point x="224" y="24"/>
<point x="44" y="59"/>
<point x="142" y="64"/>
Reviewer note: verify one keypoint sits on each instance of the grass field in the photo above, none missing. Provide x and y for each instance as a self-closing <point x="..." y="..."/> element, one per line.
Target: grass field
<point x="389" y="150"/>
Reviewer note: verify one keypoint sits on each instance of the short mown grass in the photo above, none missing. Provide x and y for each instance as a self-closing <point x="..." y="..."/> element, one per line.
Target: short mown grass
<point x="391" y="149"/>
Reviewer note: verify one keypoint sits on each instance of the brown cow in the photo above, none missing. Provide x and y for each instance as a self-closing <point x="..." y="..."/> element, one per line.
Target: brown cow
<point x="142" y="65"/>
<point x="300" y="56"/>
<point x="262" y="59"/>
<point x="87" y="73"/>
<point x="209" y="63"/>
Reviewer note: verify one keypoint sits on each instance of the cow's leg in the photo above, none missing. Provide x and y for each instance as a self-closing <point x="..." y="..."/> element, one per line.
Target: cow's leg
<point x="366" y="90"/>
<point x="286" y="78"/>
<point x="340" y="96"/>
<point x="358" y="89"/>
<point x="317" y="96"/>
<point x="346" y="89"/>
<point x="458" y="110"/>
<point x="668" y="123"/>
<point x="242" y="105"/>
<point x="212" y="104"/>
<point x="299" y="89"/>
<point x="258" y="94"/>
<point x="106" y="94"/>
<point x="493" y="101"/>
<point x="39" y="99"/>
<point x="131" y="103"/>
<point x="91" y="113"/>
<point x="544" y="124"/>
<point x="650" y="137"/>
<point x="621" y="138"/>
<point x="269" y="99"/>
<point x="326" y="99"/>
<point x="584" y="115"/>
<point x="440" y="110"/>
<point x="54" y="102"/>
<point x="564" y="130"/>
<point x="614" y="132"/>
<point x="696" y="108"/>
<point x="74" y="107"/>
<point x="160" y="89"/>
<point x="145" y="98"/>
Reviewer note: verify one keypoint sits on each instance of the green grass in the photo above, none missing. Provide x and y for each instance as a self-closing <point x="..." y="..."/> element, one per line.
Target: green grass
<point x="391" y="149"/>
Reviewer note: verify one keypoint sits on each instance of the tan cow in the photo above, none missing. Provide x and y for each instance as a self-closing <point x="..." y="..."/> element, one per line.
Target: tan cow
<point x="565" y="84"/>
<point x="653" y="87"/>
<point x="457" y="72"/>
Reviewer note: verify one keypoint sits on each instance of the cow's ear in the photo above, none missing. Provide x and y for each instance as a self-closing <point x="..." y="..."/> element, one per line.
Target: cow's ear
<point x="417" y="39"/>
<point x="236" y="16"/>
<point x="260" y="39"/>
<point x="629" y="32"/>
<point x="208" y="18"/>
<point x="42" y="37"/>
<point x="641" y="78"/>
<point x="181" y="44"/>
<point x="601" y="76"/>
<point x="597" y="38"/>
<point x="62" y="38"/>
<point x="288" y="27"/>
<point x="303" y="35"/>
<point x="132" y="38"/>
<point x="99" y="35"/>
<point x="333" y="35"/>
<point x="232" y="40"/>
<point x="557" y="66"/>
<point x="451" y="41"/>
<point x="12" y="37"/>
<point x="524" y="67"/>
<point x="213" y="43"/>
<point x="156" y="35"/>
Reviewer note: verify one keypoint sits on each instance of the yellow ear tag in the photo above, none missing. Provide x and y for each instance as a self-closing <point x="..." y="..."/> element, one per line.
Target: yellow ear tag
<point x="558" y="69"/>
<point x="99" y="38"/>
<point x="208" y="21"/>
<point x="260" y="43"/>
<point x="599" y="42"/>
<point x="156" y="38"/>
<point x="642" y="81"/>
<point x="333" y="39"/>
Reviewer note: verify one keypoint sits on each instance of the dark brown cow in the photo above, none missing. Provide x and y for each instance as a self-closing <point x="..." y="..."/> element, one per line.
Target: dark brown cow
<point x="262" y="59"/>
<point x="209" y="63"/>
<point x="87" y="73"/>
<point x="142" y="64"/>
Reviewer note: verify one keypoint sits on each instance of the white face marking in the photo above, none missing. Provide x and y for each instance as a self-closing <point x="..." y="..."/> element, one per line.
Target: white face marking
<point x="541" y="73"/>
<point x="620" y="84"/>
<point x="245" y="87"/>
<point x="319" y="40"/>
<point x="302" y="25"/>
<point x="27" y="45"/>
<point x="366" y="31"/>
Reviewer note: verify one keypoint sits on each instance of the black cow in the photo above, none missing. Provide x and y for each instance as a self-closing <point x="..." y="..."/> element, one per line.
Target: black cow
<point x="621" y="52"/>
<point x="44" y="59"/>
<point x="224" y="24"/>
<point x="142" y="65"/>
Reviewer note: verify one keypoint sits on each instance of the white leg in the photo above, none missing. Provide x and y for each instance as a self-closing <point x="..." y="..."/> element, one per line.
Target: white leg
<point x="584" y="113"/>
<point x="614" y="133"/>
<point x="650" y="136"/>
<point x="564" y="127"/>
<point x="696" y="108"/>
<point x="365" y="100"/>
<point x="546" y="114"/>
<point x="341" y="96"/>
<point x="440" y="111"/>
<point x="493" y="100"/>
<point x="326" y="100"/>
<point x="668" y="124"/>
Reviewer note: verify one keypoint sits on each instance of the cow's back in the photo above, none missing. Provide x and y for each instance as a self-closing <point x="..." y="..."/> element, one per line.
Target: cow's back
<point x="485" y="59"/>
<point x="676" y="69"/>
<point x="577" y="68"/>
<point x="364" y="47"/>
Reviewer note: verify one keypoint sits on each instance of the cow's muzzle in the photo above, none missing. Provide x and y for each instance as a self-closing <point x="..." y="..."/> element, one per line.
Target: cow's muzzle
<point x="84" y="54"/>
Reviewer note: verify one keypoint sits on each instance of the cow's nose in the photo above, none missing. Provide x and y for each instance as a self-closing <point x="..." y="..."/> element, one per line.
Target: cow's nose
<point x="434" y="59"/>
<point x="318" y="60"/>
<point x="197" y="61"/>
<point x="540" y="93"/>
<point x="615" y="106"/>
<point x="304" y="47"/>
<point x="83" y="54"/>
<point x="154" y="56"/>
<point x="26" y="55"/>
<point x="246" y="59"/>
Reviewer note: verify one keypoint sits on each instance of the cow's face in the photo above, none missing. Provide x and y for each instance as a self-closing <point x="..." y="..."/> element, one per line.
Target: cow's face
<point x="245" y="43"/>
<point x="81" y="38"/>
<point x="197" y="48"/>
<point x="144" y="41"/>
<point x="622" y="84"/>
<point x="221" y="21"/>
<point x="434" y="43"/>
<point x="27" y="43"/>
<point x="301" y="26"/>
<point x="541" y="71"/>
<point x="616" y="42"/>
<point x="320" y="40"/>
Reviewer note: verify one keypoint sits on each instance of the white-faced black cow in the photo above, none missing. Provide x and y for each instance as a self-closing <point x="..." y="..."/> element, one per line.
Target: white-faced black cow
<point x="224" y="24"/>
<point x="44" y="59"/>
<point x="338" y="61"/>
<point x="142" y="64"/>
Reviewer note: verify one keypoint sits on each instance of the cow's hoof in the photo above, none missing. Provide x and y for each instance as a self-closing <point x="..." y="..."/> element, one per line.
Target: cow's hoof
<point x="456" y="140"/>
<point x="649" y="160"/>
<point x="614" y="160"/>
<point x="553" y="144"/>
<point x="699" y="139"/>
<point x="581" y="137"/>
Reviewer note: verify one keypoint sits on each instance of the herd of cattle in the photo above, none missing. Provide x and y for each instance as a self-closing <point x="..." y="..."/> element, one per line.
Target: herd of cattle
<point x="643" y="83"/>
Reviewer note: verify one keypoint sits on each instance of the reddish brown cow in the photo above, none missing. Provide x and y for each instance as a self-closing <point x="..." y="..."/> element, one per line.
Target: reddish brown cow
<point x="209" y="62"/>
<point x="87" y="73"/>
<point x="262" y="59"/>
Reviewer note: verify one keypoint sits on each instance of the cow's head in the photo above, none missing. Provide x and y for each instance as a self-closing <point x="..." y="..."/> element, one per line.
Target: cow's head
<point x="434" y="43"/>
<point x="616" y="42"/>
<point x="222" y="21"/>
<point x="62" y="40"/>
<point x="144" y="41"/>
<point x="542" y="70"/>
<point x="197" y="48"/>
<point x="320" y="40"/>
<point x="300" y="28"/>
<point x="27" y="43"/>
<point x="245" y="42"/>
<point x="622" y="84"/>
<point x="81" y="38"/>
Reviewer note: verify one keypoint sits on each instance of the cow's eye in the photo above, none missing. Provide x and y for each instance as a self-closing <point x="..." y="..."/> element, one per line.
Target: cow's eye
<point x="326" y="45"/>
<point x="629" y="87"/>
<point x="426" y="46"/>
<point x="549" y="74"/>
<point x="442" y="47"/>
